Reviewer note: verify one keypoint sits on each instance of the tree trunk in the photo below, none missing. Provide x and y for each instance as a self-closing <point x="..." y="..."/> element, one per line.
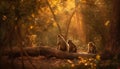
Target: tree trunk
<point x="113" y="44"/>
<point x="45" y="51"/>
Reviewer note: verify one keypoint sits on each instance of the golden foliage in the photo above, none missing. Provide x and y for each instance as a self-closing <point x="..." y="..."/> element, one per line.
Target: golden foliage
<point x="83" y="1"/>
<point x="53" y="2"/>
<point x="107" y="23"/>
<point x="31" y="27"/>
<point x="33" y="15"/>
<point x="84" y="63"/>
<point x="54" y="24"/>
<point x="70" y="5"/>
<point x="72" y="65"/>
<point x="98" y="57"/>
<point x="69" y="61"/>
<point x="4" y="17"/>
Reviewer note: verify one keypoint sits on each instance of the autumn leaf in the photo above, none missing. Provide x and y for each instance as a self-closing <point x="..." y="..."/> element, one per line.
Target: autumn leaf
<point x="33" y="15"/>
<point x="31" y="27"/>
<point x="98" y="57"/>
<point x="69" y="61"/>
<point x="107" y="23"/>
<point x="4" y="17"/>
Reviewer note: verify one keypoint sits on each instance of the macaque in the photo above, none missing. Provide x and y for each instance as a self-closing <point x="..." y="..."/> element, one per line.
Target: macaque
<point x="72" y="46"/>
<point x="92" y="48"/>
<point x="62" y="44"/>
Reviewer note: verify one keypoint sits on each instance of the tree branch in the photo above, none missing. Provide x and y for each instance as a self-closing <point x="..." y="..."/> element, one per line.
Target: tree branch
<point x="54" y="17"/>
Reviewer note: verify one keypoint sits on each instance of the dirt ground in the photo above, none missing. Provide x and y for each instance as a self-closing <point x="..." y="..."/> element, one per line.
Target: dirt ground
<point x="39" y="62"/>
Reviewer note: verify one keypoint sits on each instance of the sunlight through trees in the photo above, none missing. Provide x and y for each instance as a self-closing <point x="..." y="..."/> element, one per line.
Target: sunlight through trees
<point x="31" y="23"/>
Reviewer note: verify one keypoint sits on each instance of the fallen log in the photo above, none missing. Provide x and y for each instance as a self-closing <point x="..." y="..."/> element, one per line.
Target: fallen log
<point x="45" y="51"/>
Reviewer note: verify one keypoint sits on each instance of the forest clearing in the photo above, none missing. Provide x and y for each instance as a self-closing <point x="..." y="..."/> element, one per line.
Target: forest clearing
<point x="59" y="34"/>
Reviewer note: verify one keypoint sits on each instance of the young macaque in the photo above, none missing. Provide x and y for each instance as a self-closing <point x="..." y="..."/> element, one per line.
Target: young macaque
<point x="92" y="48"/>
<point x="72" y="46"/>
<point x="62" y="44"/>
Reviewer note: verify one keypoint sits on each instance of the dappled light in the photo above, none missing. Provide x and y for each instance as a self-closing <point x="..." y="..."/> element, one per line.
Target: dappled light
<point x="59" y="34"/>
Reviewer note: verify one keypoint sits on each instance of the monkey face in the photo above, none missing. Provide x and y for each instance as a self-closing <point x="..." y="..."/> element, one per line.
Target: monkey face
<point x="91" y="48"/>
<point x="69" y="40"/>
<point x="72" y="46"/>
<point x="62" y="45"/>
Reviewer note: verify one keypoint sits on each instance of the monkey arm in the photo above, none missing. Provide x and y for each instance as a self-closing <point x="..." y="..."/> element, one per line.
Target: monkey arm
<point x="65" y="42"/>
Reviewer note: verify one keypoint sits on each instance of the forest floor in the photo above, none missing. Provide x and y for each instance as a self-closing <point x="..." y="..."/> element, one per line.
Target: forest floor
<point x="41" y="62"/>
